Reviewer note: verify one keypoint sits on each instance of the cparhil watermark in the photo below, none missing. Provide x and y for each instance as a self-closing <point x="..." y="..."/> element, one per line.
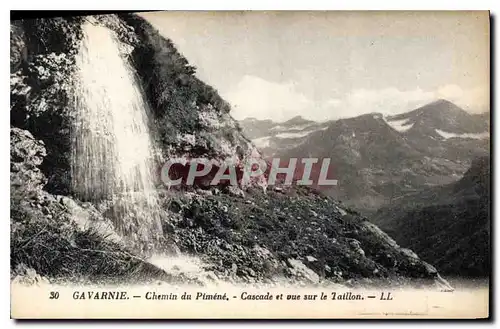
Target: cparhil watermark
<point x="202" y="171"/>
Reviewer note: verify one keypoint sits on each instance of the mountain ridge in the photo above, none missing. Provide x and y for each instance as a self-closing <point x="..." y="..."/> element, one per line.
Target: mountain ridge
<point x="443" y="222"/>
<point x="380" y="157"/>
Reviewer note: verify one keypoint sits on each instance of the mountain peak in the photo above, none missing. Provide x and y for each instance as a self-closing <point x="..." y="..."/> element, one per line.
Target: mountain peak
<point x="442" y="101"/>
<point x="297" y="120"/>
<point x="442" y="105"/>
<point x="438" y="108"/>
<point x="441" y="114"/>
<point x="249" y="119"/>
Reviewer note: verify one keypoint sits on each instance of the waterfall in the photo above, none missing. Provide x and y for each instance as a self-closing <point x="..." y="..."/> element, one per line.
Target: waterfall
<point x="113" y="158"/>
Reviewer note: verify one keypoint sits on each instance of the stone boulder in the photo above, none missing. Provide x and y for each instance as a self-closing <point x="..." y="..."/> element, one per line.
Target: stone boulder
<point x="26" y="154"/>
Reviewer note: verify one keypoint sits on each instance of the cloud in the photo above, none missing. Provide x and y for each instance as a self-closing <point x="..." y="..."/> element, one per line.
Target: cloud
<point x="390" y="101"/>
<point x="262" y="99"/>
<point x="387" y="101"/>
<point x="256" y="97"/>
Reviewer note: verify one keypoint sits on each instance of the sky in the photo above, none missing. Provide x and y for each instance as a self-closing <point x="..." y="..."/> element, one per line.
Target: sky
<point x="329" y="65"/>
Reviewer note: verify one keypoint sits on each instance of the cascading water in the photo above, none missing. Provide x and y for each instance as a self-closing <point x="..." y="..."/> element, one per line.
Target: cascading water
<point x="112" y="147"/>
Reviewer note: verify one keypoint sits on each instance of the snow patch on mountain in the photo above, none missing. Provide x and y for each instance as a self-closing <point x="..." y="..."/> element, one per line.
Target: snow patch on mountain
<point x="262" y="142"/>
<point x="294" y="135"/>
<point x="447" y="135"/>
<point x="279" y="128"/>
<point x="399" y="125"/>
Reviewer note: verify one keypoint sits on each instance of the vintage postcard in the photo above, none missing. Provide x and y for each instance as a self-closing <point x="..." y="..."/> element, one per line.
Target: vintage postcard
<point x="250" y="165"/>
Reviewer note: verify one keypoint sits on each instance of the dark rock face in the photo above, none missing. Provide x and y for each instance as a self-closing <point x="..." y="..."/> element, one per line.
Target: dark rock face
<point x="25" y="156"/>
<point x="41" y="89"/>
<point x="293" y="233"/>
<point x="18" y="50"/>
<point x="448" y="226"/>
